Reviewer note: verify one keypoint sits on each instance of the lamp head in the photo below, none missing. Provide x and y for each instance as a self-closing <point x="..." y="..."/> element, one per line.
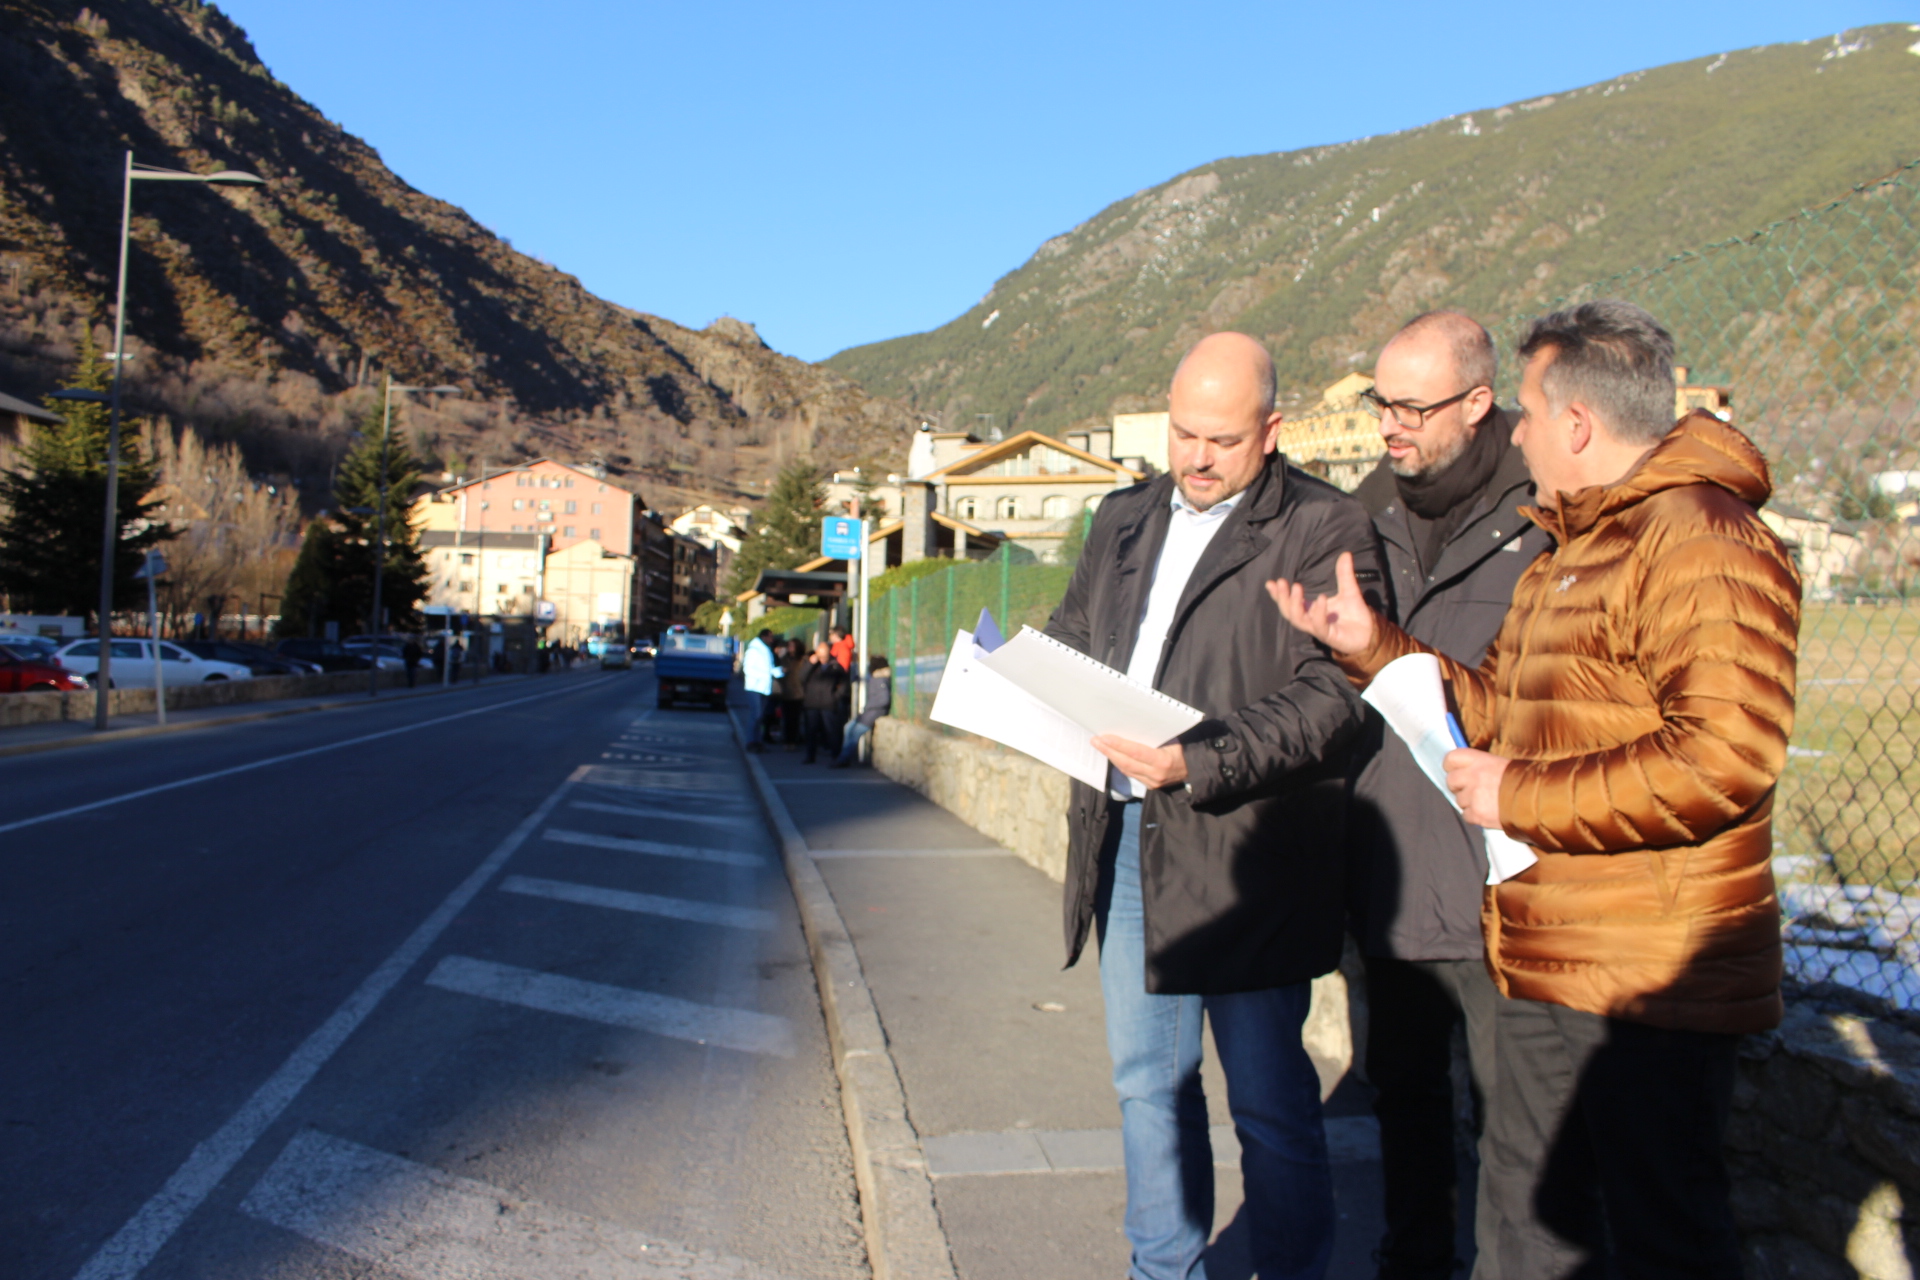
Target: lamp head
<point x="234" y="178"/>
<point x="80" y="393"/>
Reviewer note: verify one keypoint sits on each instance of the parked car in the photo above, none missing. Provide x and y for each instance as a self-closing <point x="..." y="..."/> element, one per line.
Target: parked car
<point x="24" y="669"/>
<point x="328" y="655"/>
<point x="256" y="658"/>
<point x="133" y="663"/>
<point x="390" y="651"/>
<point x="40" y="648"/>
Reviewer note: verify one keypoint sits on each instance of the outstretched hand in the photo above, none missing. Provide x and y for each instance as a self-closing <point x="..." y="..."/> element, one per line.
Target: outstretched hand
<point x="1343" y="621"/>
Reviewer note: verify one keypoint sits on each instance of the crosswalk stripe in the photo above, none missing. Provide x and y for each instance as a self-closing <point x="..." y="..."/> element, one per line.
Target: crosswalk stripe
<point x="645" y="904"/>
<point x="692" y="853"/>
<point x="412" y="1220"/>
<point x="616" y="1006"/>
<point x="676" y="815"/>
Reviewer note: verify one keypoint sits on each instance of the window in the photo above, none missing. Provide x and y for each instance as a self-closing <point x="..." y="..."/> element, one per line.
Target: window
<point x="87" y="648"/>
<point x="596" y="510"/>
<point x="546" y="515"/>
<point x="567" y="532"/>
<point x="591" y="533"/>
<point x="466" y="557"/>
<point x="965" y="508"/>
<point x="569" y="483"/>
<point x="572" y="506"/>
<point x="1054" y="507"/>
<point x="519" y="504"/>
<point x="129" y="649"/>
<point x="502" y="589"/>
<point x="1007" y="508"/>
<point x="544" y="506"/>
<point x="170" y="654"/>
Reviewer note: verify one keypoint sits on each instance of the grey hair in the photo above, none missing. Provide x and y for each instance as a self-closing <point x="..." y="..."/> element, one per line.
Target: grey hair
<point x="1475" y="359"/>
<point x="1613" y="357"/>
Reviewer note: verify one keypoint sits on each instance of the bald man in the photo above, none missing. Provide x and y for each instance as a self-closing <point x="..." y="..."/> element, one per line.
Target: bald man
<point x="1211" y="866"/>
<point x="1446" y="501"/>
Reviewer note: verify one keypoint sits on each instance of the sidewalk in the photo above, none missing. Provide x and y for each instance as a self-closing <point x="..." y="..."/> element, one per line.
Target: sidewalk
<point x="1002" y="1053"/>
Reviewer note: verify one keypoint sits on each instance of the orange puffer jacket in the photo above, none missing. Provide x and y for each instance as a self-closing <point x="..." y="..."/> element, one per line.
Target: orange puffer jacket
<point x="1643" y="687"/>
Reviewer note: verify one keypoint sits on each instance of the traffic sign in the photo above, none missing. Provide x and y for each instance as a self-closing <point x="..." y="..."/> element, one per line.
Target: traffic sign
<point x="842" y="537"/>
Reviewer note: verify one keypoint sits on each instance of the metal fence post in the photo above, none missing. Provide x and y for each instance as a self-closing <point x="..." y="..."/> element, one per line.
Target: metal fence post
<point x="1006" y="587"/>
<point x="913" y="669"/>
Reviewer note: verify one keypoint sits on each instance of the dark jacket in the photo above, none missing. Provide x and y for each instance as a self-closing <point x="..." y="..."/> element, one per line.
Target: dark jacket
<point x="1240" y="869"/>
<point x="879" y="698"/>
<point x="1415" y="870"/>
<point x="822" y="685"/>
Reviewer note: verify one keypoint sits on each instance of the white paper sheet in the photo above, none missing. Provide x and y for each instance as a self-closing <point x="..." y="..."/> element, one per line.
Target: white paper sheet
<point x="1088" y="692"/>
<point x="975" y="698"/>
<point x="1409" y="694"/>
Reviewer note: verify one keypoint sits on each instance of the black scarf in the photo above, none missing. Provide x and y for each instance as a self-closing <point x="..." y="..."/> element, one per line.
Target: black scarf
<point x="1439" y="501"/>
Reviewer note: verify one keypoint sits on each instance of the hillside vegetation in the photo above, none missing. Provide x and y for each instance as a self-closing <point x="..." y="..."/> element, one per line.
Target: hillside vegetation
<point x="267" y="316"/>
<point x="1323" y="252"/>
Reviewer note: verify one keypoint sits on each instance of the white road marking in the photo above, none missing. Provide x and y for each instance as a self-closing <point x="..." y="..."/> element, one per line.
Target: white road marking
<point x="700" y="784"/>
<point x="132" y="1247"/>
<point x="1350" y="1140"/>
<point x="645" y="904"/>
<point x="656" y="813"/>
<point x="835" y="782"/>
<point x="992" y="852"/>
<point x="692" y="853"/>
<point x="272" y="760"/>
<point x="413" y="1220"/>
<point x="616" y="1006"/>
<point x="621" y="753"/>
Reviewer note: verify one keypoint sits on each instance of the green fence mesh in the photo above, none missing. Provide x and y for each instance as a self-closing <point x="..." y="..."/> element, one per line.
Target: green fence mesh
<point x="1805" y="331"/>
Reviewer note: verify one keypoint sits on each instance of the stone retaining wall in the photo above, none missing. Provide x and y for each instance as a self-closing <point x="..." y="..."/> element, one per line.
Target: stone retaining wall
<point x="1824" y="1143"/>
<point x="45" y="708"/>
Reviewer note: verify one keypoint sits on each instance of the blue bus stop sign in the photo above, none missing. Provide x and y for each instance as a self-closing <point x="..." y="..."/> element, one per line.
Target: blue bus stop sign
<point x="840" y="537"/>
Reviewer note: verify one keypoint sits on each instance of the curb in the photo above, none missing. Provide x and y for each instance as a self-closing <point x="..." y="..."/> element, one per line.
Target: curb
<point x="211" y="722"/>
<point x="905" y="1240"/>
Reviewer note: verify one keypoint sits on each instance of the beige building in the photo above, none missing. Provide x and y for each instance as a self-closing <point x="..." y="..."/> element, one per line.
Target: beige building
<point x="587" y="584"/>
<point x="1339" y="437"/>
<point x="484" y="574"/>
<point x="1028" y="488"/>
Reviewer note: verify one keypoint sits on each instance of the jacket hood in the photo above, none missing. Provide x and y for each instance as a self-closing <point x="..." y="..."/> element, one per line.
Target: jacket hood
<point x="1700" y="449"/>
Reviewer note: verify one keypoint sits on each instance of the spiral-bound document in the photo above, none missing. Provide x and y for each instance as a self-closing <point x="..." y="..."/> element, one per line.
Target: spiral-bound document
<point x="1036" y="695"/>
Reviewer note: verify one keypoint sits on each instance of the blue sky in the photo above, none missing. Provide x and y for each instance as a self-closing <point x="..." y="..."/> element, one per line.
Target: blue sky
<point x="840" y="173"/>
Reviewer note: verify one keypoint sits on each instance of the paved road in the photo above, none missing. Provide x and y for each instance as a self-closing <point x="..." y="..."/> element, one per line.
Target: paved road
<point x="500" y="983"/>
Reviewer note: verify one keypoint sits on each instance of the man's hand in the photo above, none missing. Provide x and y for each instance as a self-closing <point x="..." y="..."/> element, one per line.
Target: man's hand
<point x="1343" y="621"/>
<point x="1474" y="778"/>
<point x="1154" y="767"/>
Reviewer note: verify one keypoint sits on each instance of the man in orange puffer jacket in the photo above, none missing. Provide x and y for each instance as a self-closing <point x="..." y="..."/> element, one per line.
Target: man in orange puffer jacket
<point x="1634" y="715"/>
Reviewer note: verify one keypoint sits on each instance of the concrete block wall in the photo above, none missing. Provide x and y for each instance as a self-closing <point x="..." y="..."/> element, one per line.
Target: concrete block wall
<point x="1824" y="1141"/>
<point x="48" y="708"/>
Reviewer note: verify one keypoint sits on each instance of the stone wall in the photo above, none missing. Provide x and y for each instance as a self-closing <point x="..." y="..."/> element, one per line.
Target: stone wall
<point x="46" y="708"/>
<point x="1824" y="1143"/>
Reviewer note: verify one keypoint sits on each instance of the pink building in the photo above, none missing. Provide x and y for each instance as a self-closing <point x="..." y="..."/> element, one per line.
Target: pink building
<point x="568" y="504"/>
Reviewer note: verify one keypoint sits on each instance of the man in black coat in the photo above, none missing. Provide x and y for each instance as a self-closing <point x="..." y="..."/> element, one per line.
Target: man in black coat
<point x="1211" y="866"/>
<point x="823" y="684"/>
<point x="1445" y="500"/>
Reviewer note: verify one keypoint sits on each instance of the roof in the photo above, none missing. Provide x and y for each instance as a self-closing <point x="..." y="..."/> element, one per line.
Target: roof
<point x="971" y="530"/>
<point x="787" y="583"/>
<point x="33" y="412"/>
<point x="1019" y="444"/>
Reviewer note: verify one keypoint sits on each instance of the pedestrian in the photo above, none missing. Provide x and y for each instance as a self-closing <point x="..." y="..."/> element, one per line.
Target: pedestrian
<point x="825" y="680"/>
<point x="757" y="672"/>
<point x="842" y="644"/>
<point x="439" y="656"/>
<point x="454" y="654"/>
<point x="792" y="689"/>
<point x="1445" y="501"/>
<point x="411" y="653"/>
<point x="1211" y="866"/>
<point x="879" y="702"/>
<point x="1630" y="724"/>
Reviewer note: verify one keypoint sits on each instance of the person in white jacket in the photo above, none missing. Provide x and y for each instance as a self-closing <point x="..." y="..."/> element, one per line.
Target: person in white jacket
<point x="758" y="671"/>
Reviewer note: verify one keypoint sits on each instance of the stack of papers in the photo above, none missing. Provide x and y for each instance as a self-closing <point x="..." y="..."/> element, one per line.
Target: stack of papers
<point x="1408" y="694"/>
<point x="1036" y="695"/>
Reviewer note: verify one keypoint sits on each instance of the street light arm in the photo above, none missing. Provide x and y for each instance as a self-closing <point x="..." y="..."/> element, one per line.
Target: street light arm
<point x="224" y="178"/>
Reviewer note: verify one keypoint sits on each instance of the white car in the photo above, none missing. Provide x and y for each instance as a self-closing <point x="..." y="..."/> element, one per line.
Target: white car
<point x="132" y="666"/>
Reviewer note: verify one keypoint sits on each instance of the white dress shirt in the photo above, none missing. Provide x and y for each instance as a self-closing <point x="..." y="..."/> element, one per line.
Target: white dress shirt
<point x="1188" y="534"/>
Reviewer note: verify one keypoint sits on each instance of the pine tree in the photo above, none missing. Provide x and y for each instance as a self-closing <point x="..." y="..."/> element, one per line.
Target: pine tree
<point x="786" y="534"/>
<point x="56" y="497"/>
<point x="332" y="580"/>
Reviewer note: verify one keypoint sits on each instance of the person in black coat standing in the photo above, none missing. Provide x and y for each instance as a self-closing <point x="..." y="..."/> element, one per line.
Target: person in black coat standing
<point x="1211" y="867"/>
<point x="1446" y="502"/>
<point x="823" y="684"/>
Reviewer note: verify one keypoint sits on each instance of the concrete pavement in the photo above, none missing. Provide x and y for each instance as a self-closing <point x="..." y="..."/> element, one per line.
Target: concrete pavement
<point x="1001" y="1052"/>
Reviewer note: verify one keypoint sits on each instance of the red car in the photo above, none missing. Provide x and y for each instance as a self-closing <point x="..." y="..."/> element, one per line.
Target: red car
<point x="25" y="670"/>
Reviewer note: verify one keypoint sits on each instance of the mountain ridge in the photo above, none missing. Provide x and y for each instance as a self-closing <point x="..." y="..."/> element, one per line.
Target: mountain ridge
<point x="1321" y="252"/>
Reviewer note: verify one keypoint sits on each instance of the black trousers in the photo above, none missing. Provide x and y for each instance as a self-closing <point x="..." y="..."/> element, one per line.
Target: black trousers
<point x="1412" y="1009"/>
<point x="822" y="732"/>
<point x="1602" y="1155"/>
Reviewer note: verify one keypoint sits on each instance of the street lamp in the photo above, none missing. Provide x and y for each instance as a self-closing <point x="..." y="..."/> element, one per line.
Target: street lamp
<point x="380" y="519"/>
<point x="131" y="174"/>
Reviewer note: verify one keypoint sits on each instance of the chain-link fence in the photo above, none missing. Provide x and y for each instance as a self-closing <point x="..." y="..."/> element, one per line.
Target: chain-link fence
<point x="1804" y="335"/>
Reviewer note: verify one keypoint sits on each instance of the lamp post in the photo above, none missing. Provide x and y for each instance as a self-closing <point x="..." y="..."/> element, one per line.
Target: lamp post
<point x="380" y="519"/>
<point x="131" y="174"/>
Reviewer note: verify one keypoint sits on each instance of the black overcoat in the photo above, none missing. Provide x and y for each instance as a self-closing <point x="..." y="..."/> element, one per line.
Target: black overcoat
<point x="1241" y="868"/>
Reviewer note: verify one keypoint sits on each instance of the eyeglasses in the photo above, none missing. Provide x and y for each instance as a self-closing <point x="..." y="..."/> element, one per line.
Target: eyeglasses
<point x="1400" y="409"/>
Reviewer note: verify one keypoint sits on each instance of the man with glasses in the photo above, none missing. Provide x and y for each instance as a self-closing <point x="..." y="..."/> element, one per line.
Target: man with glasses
<point x="1445" y="501"/>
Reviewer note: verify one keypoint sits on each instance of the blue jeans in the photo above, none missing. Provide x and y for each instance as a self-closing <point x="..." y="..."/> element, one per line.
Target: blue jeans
<point x="1273" y="1094"/>
<point x="851" y="744"/>
<point x="756" y="715"/>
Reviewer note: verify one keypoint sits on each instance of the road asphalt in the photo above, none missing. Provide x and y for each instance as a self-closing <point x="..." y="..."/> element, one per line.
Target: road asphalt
<point x="499" y="983"/>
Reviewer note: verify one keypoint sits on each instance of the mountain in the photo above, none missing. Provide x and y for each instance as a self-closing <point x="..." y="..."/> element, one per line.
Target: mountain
<point x="269" y="315"/>
<point x="1323" y="252"/>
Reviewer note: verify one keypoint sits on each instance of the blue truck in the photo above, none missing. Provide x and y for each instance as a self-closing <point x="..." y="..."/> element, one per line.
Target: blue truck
<point x="694" y="668"/>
